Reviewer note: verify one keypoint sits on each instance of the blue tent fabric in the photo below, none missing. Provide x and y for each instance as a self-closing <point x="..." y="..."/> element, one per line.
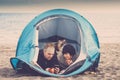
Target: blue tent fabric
<point x="60" y="23"/>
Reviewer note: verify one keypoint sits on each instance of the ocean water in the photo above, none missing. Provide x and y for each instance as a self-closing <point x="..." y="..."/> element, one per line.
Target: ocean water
<point x="12" y="25"/>
<point x="107" y="26"/>
<point x="15" y="21"/>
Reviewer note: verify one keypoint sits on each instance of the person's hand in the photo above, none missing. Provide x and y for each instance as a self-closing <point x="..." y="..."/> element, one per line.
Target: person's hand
<point x="57" y="70"/>
<point x="47" y="69"/>
<point x="69" y="62"/>
<point x="51" y="70"/>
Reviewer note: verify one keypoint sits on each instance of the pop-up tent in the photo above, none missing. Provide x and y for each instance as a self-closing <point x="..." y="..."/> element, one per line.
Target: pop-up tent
<point x="51" y="26"/>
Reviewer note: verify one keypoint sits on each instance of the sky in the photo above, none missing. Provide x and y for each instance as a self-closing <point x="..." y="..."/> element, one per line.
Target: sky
<point x="41" y="5"/>
<point x="9" y="2"/>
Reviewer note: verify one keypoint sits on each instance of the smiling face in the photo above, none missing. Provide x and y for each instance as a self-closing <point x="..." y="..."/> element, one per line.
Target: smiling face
<point x="68" y="58"/>
<point x="49" y="52"/>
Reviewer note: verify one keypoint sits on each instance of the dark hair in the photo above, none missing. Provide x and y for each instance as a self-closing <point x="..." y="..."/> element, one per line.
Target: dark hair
<point x="69" y="49"/>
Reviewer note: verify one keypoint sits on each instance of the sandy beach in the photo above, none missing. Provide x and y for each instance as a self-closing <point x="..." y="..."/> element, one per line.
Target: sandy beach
<point x="109" y="66"/>
<point x="105" y="20"/>
<point x="108" y="34"/>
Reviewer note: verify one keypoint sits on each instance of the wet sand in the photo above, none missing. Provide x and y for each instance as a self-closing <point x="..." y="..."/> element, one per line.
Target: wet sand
<point x="109" y="66"/>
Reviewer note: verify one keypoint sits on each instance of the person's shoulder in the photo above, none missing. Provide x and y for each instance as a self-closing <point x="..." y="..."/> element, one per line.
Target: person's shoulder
<point x="40" y="53"/>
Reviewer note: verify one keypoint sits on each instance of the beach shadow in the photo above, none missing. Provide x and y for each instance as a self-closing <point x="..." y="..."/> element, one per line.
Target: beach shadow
<point x="9" y="72"/>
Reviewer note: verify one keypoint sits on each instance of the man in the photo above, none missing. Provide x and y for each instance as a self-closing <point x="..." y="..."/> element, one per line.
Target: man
<point x="47" y="58"/>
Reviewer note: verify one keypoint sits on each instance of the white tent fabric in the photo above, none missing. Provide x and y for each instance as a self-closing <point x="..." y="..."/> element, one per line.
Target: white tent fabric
<point x="62" y="26"/>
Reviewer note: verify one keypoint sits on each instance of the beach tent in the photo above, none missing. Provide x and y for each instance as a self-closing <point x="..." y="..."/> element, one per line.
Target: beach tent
<point x="51" y="26"/>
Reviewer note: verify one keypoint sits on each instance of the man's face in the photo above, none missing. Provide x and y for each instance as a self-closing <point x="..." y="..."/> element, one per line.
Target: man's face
<point x="49" y="53"/>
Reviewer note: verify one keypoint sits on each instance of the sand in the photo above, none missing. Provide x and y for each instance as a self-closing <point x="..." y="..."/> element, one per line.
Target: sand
<point x="109" y="66"/>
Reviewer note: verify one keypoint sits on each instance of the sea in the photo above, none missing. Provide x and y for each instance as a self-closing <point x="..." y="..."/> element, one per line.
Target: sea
<point x="107" y="26"/>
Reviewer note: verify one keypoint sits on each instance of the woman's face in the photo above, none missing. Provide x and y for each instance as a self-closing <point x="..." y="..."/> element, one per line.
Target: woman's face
<point x="67" y="56"/>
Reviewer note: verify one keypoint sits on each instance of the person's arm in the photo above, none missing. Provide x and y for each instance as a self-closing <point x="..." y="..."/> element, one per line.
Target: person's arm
<point x="56" y="65"/>
<point x="69" y="61"/>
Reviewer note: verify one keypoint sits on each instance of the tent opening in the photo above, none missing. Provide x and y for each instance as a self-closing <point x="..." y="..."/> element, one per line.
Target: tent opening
<point x="59" y="27"/>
